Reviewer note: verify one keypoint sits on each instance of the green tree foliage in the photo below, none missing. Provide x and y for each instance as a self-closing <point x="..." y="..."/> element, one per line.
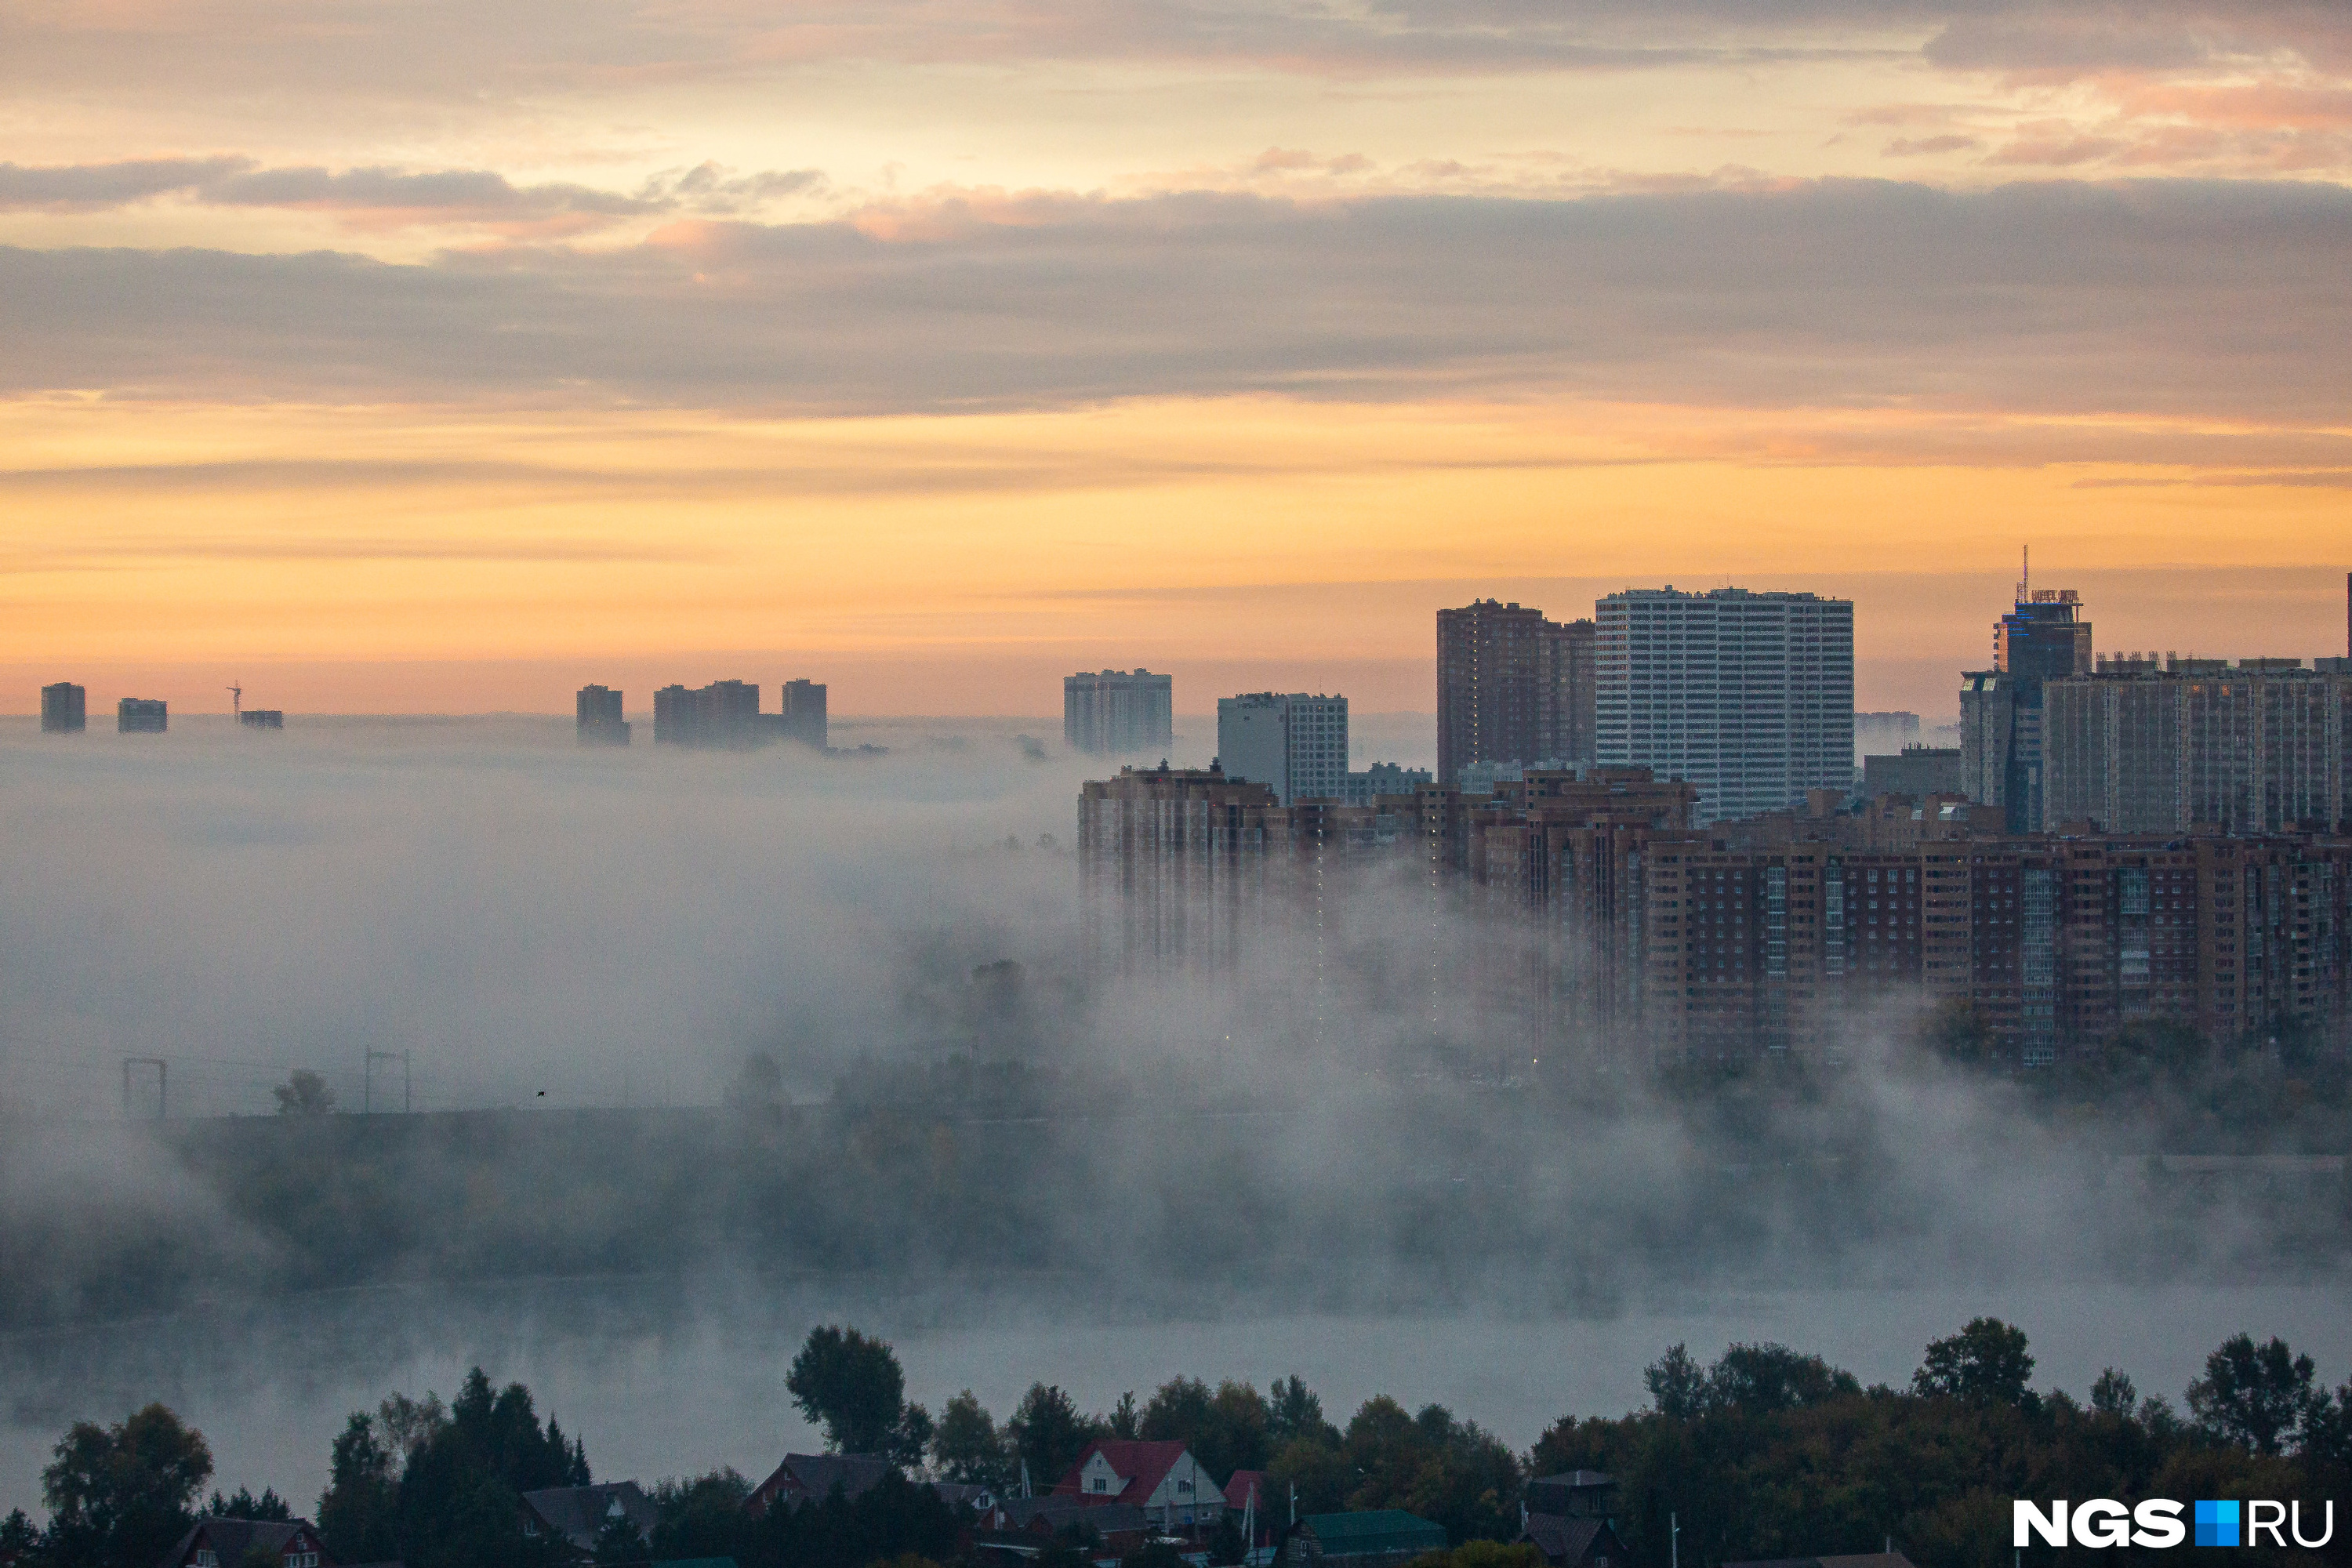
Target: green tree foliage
<point x="967" y="1446"/>
<point x="702" y="1517"/>
<point x="1756" y="1380"/>
<point x="359" y="1510"/>
<point x="1985" y="1363"/>
<point x="304" y="1093"/>
<point x="1956" y="1031"/>
<point x="1228" y="1430"/>
<point x="1048" y="1433"/>
<point x="1481" y="1554"/>
<point x="618" y="1539"/>
<point x="852" y="1387"/>
<point x="245" y="1505"/>
<point x="1294" y="1411"/>
<point x="459" y="1504"/>
<point x="121" y="1494"/>
<point x="892" y="1519"/>
<point x="1124" y="1421"/>
<point x="20" y="1539"/>
<point x="2256" y="1396"/>
<point x="1677" y="1383"/>
<point x="1447" y="1470"/>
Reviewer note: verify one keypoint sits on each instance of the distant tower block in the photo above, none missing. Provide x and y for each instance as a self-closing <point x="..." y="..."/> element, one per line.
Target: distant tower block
<point x="262" y="718"/>
<point x="63" y="709"/>
<point x="141" y="716"/>
<point x="600" y="720"/>
<point x="804" y="712"/>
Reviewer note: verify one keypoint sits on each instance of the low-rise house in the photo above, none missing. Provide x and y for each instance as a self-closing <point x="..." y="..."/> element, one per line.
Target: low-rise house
<point x="226" y="1542"/>
<point x="1161" y="1478"/>
<point x="575" y="1514"/>
<point x="1566" y="1517"/>
<point x="1373" y="1539"/>
<point x="810" y="1478"/>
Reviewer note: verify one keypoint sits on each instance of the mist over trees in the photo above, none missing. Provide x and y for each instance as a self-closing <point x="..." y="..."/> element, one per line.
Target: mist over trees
<point x="1764" y="1452"/>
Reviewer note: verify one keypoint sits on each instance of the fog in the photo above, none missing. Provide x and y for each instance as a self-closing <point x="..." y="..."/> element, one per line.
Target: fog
<point x="1040" y="1177"/>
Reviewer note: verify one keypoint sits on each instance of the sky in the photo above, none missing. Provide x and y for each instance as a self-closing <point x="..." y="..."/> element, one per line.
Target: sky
<point x="423" y="356"/>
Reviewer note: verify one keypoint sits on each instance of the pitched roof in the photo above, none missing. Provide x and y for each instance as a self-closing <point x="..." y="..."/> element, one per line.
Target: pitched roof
<point x="1576" y="1478"/>
<point x="577" y="1513"/>
<point x="1053" y="1512"/>
<point x="1373" y="1531"/>
<point x="1560" y="1538"/>
<point x="231" y="1539"/>
<point x="1142" y="1464"/>
<point x="1238" y="1489"/>
<point x="810" y="1478"/>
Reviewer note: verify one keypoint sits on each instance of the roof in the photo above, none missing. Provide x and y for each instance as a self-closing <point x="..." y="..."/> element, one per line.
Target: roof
<point x="1854" y="1560"/>
<point x="810" y="1478"/>
<point x="577" y="1513"/>
<point x="1561" y="1538"/>
<point x="1577" y="1478"/>
<point x="1142" y="1464"/>
<point x="1238" y="1489"/>
<point x="231" y="1539"/>
<point x="1053" y="1512"/>
<point x="1373" y="1531"/>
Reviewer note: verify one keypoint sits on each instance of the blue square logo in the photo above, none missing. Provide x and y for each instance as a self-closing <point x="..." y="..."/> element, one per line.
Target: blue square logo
<point x="2216" y="1523"/>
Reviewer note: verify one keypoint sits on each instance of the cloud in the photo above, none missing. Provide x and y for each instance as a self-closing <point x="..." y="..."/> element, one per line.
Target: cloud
<point x="380" y="197"/>
<point x="2163" y="296"/>
<point x="1913" y="147"/>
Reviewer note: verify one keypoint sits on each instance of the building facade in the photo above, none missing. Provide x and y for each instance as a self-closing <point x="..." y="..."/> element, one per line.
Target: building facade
<point x="1295" y="744"/>
<point x="1170" y="865"/>
<point x="2042" y="639"/>
<point x="141" y="716"/>
<point x="1119" y="712"/>
<point x="724" y="714"/>
<point x="804" y="718"/>
<point x="1916" y="771"/>
<point x="2262" y="748"/>
<point x="63" y="709"/>
<point x="1512" y="688"/>
<point x="1747" y="695"/>
<point x="598" y="720"/>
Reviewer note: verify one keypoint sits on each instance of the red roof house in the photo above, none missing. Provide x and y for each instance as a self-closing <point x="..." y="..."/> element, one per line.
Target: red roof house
<point x="1164" y="1480"/>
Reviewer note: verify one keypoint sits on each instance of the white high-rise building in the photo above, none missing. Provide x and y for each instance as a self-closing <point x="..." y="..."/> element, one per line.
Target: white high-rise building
<point x="1116" y="712"/>
<point x="1748" y="696"/>
<point x="1295" y="744"/>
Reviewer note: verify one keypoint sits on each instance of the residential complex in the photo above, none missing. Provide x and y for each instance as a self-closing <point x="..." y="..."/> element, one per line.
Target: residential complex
<point x="1118" y="712"/>
<point x="1512" y="688"/>
<point x="1747" y="695"/>
<point x="63" y="709"/>
<point x="2042" y="639"/>
<point x="803" y="716"/>
<point x="141" y="716"/>
<point x="726" y="715"/>
<point x="599" y="721"/>
<point x="1295" y="744"/>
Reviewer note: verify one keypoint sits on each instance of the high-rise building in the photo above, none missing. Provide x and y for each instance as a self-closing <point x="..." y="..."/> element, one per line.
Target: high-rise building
<point x="1748" y="696"/>
<point x="1512" y="688"/>
<point x="725" y="713"/>
<point x="1295" y="744"/>
<point x="2265" y="747"/>
<point x="1170" y="863"/>
<point x="63" y="711"/>
<point x="600" y="722"/>
<point x="803" y="716"/>
<point x="262" y="718"/>
<point x="141" y="716"/>
<point x="1118" y="712"/>
<point x="2042" y="639"/>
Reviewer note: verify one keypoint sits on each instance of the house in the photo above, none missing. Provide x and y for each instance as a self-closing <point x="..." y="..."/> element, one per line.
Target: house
<point x="1161" y="1478"/>
<point x="810" y="1478"/>
<point x="575" y="1514"/>
<point x="1368" y="1539"/>
<point x="1020" y="1529"/>
<point x="1244" y="1484"/>
<point x="226" y="1542"/>
<point x="1566" y="1517"/>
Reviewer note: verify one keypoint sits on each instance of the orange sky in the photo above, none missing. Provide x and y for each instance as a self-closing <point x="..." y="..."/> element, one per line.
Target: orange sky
<point x="442" y="362"/>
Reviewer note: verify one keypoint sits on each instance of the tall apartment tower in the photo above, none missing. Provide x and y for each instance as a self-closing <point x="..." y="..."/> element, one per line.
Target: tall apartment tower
<point x="600" y="722"/>
<point x="1295" y="744"/>
<point x="723" y="714"/>
<point x="2042" y="639"/>
<point x="1747" y="695"/>
<point x="63" y="709"/>
<point x="1118" y="712"/>
<point x="1512" y="688"/>
<point x="805" y="717"/>
<point x="141" y="716"/>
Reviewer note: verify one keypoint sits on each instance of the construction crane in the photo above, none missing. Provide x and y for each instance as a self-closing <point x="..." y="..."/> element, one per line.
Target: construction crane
<point x="236" y="701"/>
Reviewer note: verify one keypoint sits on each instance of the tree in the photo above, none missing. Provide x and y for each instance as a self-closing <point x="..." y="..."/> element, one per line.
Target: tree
<point x="2114" y="1394"/>
<point x="1985" y="1363"/>
<point x="1293" y="1412"/>
<point x="459" y="1500"/>
<point x="358" y="1510"/>
<point x="967" y="1446"/>
<point x="618" y="1539"/>
<point x="245" y="1505"/>
<point x="1758" y="1379"/>
<point x="1123" y="1421"/>
<point x="304" y="1093"/>
<point x="703" y="1517"/>
<point x="1048" y="1433"/>
<point x="911" y="1437"/>
<point x="850" y="1385"/>
<point x="2256" y="1396"/>
<point x="19" y="1540"/>
<point x="1678" y="1386"/>
<point x="1955" y="1030"/>
<point x="122" y="1493"/>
